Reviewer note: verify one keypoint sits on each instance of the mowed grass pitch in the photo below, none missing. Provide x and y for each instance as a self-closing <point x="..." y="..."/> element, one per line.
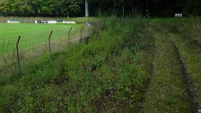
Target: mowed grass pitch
<point x="15" y="30"/>
<point x="31" y="34"/>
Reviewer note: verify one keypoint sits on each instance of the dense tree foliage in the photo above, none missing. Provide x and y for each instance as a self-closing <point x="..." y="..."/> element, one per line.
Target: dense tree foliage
<point x="105" y="7"/>
<point x="39" y="7"/>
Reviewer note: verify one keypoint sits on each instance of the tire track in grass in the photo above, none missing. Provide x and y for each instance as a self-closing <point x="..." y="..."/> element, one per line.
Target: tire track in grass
<point x="189" y="83"/>
<point x="168" y="92"/>
<point x="190" y="54"/>
<point x="149" y="52"/>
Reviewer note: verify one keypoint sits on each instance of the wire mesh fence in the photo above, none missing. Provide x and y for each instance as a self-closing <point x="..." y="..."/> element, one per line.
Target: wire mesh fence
<point x="17" y="52"/>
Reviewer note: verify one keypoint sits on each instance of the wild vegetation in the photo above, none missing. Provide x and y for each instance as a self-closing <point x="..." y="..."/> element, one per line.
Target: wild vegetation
<point x="108" y="74"/>
<point x="131" y="64"/>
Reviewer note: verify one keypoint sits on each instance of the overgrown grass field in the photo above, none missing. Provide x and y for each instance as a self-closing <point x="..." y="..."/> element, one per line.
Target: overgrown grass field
<point x="108" y="74"/>
<point x="168" y="89"/>
<point x="130" y="66"/>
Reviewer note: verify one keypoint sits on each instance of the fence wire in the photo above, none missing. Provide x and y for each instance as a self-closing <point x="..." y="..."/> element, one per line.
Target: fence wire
<point x="14" y="55"/>
<point x="7" y="54"/>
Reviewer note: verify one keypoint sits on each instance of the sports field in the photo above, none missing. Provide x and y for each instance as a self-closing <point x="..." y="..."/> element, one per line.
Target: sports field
<point x="34" y="38"/>
<point x="32" y="34"/>
<point x="12" y="30"/>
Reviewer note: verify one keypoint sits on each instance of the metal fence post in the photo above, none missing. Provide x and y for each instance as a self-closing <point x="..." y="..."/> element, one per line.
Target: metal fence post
<point x="18" y="56"/>
<point x="89" y="31"/>
<point x="69" y="35"/>
<point x="50" y="41"/>
<point x="97" y="29"/>
<point x="81" y="33"/>
<point x="88" y="38"/>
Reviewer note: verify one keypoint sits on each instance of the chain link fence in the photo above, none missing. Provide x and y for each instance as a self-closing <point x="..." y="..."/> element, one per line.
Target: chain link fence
<point x="17" y="52"/>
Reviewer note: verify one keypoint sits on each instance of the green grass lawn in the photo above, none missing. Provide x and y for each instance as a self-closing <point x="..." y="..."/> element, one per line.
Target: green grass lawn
<point x="14" y="30"/>
<point x="32" y="34"/>
<point x="34" y="39"/>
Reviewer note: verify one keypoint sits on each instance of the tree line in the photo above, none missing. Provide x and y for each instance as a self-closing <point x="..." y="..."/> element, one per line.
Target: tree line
<point x="39" y="7"/>
<point x="64" y="8"/>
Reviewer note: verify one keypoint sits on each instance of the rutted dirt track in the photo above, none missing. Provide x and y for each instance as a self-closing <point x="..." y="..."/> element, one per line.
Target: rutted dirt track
<point x="170" y="89"/>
